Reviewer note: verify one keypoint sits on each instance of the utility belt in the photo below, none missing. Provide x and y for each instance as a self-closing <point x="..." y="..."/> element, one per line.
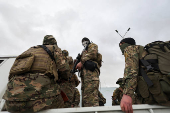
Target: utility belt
<point x="90" y="65"/>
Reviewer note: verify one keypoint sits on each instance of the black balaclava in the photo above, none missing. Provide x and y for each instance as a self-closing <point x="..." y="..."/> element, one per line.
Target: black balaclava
<point x="85" y="41"/>
<point x="127" y="42"/>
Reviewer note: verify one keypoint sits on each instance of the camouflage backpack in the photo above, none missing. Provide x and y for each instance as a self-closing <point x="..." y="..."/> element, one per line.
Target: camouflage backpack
<point x="155" y="73"/>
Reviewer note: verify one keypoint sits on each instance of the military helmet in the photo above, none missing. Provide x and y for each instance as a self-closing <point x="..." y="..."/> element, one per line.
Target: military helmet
<point x="49" y="40"/>
<point x="65" y="52"/>
<point x="119" y="80"/>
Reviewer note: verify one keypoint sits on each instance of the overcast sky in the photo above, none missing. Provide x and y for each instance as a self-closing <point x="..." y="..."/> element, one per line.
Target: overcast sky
<point x="24" y="23"/>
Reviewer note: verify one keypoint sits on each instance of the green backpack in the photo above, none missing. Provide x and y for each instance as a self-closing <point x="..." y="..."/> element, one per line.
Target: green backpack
<point x="155" y="72"/>
<point x="159" y="53"/>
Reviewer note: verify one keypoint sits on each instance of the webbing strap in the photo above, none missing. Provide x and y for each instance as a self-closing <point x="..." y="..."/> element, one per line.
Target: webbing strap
<point x="48" y="51"/>
<point x="145" y="77"/>
<point x="146" y="64"/>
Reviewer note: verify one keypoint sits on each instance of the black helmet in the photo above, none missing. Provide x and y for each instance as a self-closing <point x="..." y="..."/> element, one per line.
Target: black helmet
<point x="128" y="40"/>
<point x="85" y="39"/>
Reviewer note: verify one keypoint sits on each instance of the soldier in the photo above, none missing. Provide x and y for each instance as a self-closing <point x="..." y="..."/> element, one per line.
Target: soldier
<point x="68" y="58"/>
<point x="102" y="100"/>
<point x="32" y="85"/>
<point x="130" y="50"/>
<point x="133" y="53"/>
<point x="68" y="86"/>
<point x="118" y="93"/>
<point x="89" y="74"/>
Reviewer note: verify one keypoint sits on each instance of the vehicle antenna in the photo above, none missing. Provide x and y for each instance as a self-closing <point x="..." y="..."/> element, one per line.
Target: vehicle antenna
<point x="118" y="33"/>
<point x="126" y="32"/>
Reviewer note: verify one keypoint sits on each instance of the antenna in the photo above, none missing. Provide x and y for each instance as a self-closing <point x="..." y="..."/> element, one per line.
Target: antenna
<point x="118" y="33"/>
<point x="124" y="34"/>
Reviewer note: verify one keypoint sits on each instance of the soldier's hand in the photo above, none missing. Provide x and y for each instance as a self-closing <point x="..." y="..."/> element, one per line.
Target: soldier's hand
<point x="79" y="66"/>
<point x="126" y="104"/>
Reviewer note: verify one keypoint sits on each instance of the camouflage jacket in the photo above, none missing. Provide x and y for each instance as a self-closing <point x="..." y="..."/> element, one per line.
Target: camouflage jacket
<point x="67" y="88"/>
<point x="33" y="86"/>
<point x="76" y="99"/>
<point x="90" y="53"/>
<point x="131" y="71"/>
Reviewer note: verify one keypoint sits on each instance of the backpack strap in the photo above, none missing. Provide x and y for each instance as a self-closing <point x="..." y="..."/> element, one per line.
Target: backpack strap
<point x="143" y="73"/>
<point x="48" y="51"/>
<point x="146" y="78"/>
<point x="146" y="64"/>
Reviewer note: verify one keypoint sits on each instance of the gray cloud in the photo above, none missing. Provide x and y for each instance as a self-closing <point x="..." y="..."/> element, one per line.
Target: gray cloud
<point x="25" y="23"/>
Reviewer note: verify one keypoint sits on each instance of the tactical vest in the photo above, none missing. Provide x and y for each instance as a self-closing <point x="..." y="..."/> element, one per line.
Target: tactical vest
<point x="154" y="80"/>
<point x="35" y="60"/>
<point x="95" y="62"/>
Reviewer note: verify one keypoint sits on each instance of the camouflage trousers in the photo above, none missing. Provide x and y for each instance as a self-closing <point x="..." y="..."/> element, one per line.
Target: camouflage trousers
<point x="34" y="106"/>
<point x="68" y="89"/>
<point x="90" y="86"/>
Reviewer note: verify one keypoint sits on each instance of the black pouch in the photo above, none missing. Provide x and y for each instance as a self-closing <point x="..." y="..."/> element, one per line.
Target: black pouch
<point x="89" y="65"/>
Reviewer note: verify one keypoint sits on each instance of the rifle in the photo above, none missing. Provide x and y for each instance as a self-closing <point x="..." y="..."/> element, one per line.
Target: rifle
<point x="78" y="58"/>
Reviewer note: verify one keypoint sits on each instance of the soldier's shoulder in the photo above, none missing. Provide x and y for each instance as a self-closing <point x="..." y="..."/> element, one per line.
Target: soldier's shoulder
<point x="92" y="45"/>
<point x="132" y="49"/>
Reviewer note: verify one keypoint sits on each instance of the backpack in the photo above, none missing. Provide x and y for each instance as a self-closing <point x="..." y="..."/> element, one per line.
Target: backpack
<point x="34" y="60"/>
<point x="159" y="51"/>
<point x="155" y="73"/>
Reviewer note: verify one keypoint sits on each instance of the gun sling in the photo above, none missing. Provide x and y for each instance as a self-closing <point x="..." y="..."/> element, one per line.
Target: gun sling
<point x="48" y="51"/>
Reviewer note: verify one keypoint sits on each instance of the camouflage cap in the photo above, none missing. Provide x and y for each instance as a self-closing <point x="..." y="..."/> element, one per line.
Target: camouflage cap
<point x="49" y="40"/>
<point x="65" y="52"/>
<point x="119" y="80"/>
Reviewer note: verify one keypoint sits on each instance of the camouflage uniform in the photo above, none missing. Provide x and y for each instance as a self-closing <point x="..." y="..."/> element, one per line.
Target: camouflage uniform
<point x="131" y="71"/>
<point x="76" y="99"/>
<point x="68" y="86"/>
<point x="102" y="100"/>
<point x="117" y="96"/>
<point x="118" y="93"/>
<point x="89" y="79"/>
<point x="36" y="91"/>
